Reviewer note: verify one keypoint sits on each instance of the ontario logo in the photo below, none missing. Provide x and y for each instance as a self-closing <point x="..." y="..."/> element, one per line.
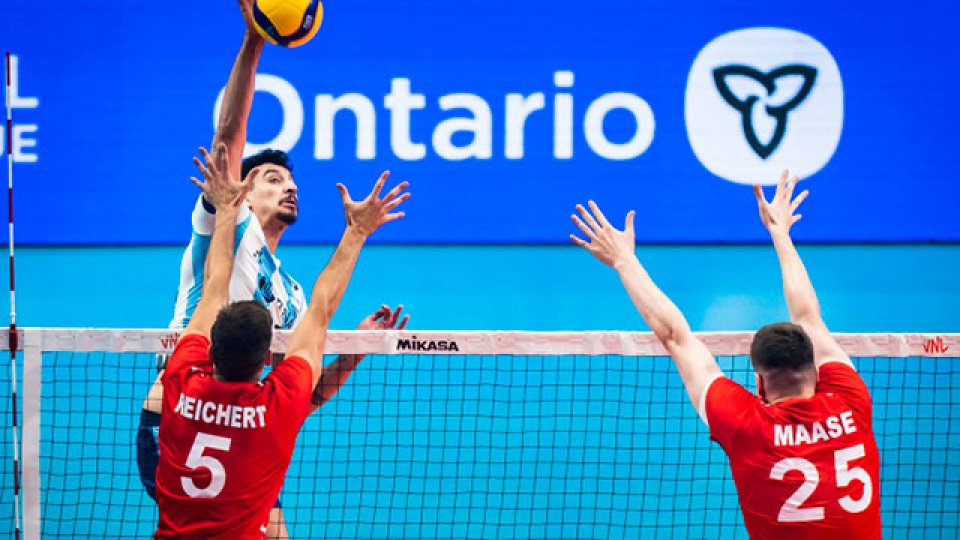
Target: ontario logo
<point x="426" y="345"/>
<point x="760" y="100"/>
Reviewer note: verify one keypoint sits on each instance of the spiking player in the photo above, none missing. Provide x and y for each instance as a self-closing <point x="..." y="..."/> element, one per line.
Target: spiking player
<point x="802" y="452"/>
<point x="226" y="436"/>
<point x="271" y="207"/>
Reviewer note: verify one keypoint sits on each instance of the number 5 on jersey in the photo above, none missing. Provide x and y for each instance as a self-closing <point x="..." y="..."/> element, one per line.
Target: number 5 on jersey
<point x="196" y="460"/>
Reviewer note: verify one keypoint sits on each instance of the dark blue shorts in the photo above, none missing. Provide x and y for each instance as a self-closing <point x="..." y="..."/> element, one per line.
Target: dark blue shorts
<point x="148" y="452"/>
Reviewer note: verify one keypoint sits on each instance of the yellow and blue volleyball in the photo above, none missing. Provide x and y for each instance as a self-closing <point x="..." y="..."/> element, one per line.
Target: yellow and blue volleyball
<point x="288" y="23"/>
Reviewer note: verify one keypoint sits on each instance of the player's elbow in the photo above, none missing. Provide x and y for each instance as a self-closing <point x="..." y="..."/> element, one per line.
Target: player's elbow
<point x="672" y="335"/>
<point x="318" y="313"/>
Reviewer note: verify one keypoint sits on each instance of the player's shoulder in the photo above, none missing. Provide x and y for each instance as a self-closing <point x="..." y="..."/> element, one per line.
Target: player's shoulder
<point x="832" y="373"/>
<point x="191" y="340"/>
<point x="723" y="388"/>
<point x="191" y="347"/>
<point x="836" y="365"/>
<point x="725" y="397"/>
<point x="291" y="370"/>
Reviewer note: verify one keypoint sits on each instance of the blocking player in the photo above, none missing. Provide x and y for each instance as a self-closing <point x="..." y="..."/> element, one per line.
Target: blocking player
<point x="802" y="452"/>
<point x="226" y="436"/>
<point x="271" y="207"/>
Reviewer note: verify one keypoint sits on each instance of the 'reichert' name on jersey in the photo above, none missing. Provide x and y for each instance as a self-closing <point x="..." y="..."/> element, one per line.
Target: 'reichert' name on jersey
<point x="812" y="433"/>
<point x="218" y="414"/>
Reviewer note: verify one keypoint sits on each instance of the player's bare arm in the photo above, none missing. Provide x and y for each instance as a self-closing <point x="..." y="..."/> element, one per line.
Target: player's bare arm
<point x="363" y="218"/>
<point x="616" y="249"/>
<point x="238" y="95"/>
<point x="222" y="190"/>
<point x="336" y="373"/>
<point x="778" y="216"/>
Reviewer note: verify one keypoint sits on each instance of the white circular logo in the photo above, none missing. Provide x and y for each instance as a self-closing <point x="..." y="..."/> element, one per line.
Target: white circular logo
<point x="761" y="100"/>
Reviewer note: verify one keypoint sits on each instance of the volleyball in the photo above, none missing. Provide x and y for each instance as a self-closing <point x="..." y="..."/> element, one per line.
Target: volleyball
<point x="288" y="23"/>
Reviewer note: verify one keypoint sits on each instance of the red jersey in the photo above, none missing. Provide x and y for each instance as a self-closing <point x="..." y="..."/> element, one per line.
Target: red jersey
<point x="804" y="468"/>
<point x="225" y="446"/>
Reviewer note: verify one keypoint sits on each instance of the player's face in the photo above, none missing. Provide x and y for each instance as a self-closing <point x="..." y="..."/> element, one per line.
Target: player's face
<point x="273" y="194"/>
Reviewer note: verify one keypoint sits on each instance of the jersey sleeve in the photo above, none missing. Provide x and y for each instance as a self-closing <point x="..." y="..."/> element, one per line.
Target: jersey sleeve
<point x="292" y="379"/>
<point x="191" y="350"/>
<point x="725" y="406"/>
<point x="844" y="381"/>
<point x="204" y="215"/>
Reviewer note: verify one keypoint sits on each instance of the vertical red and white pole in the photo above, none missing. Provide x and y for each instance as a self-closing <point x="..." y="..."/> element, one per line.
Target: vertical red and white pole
<point x="13" y="341"/>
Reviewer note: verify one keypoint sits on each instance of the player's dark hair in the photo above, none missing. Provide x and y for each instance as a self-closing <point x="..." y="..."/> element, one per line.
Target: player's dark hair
<point x="781" y="346"/>
<point x="240" y="339"/>
<point x="276" y="157"/>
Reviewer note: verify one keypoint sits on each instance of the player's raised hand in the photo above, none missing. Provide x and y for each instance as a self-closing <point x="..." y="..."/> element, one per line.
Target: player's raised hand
<point x="246" y="9"/>
<point x="219" y="187"/>
<point x="370" y="213"/>
<point x="780" y="214"/>
<point x="384" y="319"/>
<point x="606" y="243"/>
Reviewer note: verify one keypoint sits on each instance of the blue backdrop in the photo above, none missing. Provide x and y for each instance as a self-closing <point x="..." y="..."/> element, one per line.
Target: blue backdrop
<point x="112" y="98"/>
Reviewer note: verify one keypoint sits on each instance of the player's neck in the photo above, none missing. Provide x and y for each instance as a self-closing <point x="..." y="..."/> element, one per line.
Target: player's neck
<point x="779" y="386"/>
<point x="804" y="392"/>
<point x="272" y="231"/>
<point x="218" y="378"/>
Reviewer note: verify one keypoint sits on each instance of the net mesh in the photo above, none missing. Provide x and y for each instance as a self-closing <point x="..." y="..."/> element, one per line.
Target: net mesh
<point x="492" y="446"/>
<point x="7" y="510"/>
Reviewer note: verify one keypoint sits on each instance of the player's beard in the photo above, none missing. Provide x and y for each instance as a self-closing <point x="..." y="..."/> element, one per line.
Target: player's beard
<point x="289" y="217"/>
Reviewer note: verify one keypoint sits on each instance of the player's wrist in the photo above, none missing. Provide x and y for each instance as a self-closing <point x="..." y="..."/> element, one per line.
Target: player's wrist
<point x="356" y="232"/>
<point x="207" y="205"/>
<point x="779" y="235"/>
<point x="252" y="38"/>
<point x="226" y="209"/>
<point x="625" y="262"/>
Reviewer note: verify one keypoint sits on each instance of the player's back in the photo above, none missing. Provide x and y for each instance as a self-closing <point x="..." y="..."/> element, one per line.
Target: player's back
<point x="804" y="467"/>
<point x="225" y="446"/>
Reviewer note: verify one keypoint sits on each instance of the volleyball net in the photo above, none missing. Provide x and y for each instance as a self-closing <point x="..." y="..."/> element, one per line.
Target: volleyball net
<point x="475" y="435"/>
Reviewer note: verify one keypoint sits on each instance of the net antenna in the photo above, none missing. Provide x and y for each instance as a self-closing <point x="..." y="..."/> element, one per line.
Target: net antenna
<point x="12" y="335"/>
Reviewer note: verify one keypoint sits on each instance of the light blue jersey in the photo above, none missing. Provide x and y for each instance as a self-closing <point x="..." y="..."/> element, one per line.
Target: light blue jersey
<point x="257" y="274"/>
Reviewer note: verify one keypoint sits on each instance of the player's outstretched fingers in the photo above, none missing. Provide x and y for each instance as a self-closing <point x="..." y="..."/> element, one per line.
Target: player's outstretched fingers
<point x="587" y="218"/>
<point x="222" y="155"/>
<point x="379" y="185"/>
<point x="628" y="222"/>
<point x="582" y="226"/>
<point x="396" y="202"/>
<point x="782" y="184"/>
<point x="579" y="241"/>
<point x="203" y="170"/>
<point x="206" y="156"/>
<point x="396" y="190"/>
<point x="344" y="193"/>
<point x="599" y="213"/>
<point x="800" y="198"/>
<point x="395" y="316"/>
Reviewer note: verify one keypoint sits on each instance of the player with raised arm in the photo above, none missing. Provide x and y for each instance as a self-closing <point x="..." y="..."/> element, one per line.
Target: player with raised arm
<point x="226" y="436"/>
<point x="270" y="208"/>
<point x="802" y="453"/>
